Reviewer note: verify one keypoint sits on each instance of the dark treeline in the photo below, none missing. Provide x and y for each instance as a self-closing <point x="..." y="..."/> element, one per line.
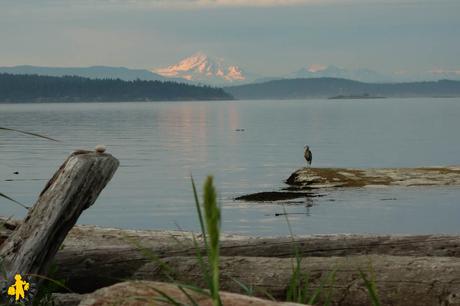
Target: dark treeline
<point x="330" y="87"/>
<point x="35" y="88"/>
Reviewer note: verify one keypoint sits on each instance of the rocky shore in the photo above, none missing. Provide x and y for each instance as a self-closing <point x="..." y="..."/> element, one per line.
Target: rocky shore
<point x="347" y="177"/>
<point x="309" y="182"/>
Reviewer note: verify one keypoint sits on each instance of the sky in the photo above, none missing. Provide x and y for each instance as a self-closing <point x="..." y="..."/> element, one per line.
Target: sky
<point x="268" y="37"/>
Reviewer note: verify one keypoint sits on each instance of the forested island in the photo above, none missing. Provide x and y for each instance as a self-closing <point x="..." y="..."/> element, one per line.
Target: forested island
<point x="37" y="88"/>
<point x="335" y="87"/>
<point x="351" y="97"/>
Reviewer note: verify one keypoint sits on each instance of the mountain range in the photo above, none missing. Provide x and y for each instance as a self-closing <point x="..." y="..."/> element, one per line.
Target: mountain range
<point x="321" y="71"/>
<point x="201" y="68"/>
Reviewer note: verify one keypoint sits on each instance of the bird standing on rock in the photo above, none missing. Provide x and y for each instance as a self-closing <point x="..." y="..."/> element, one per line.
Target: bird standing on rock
<point x="307" y="154"/>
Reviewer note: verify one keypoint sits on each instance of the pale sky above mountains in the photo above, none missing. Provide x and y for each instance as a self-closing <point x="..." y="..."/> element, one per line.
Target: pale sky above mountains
<point x="269" y="37"/>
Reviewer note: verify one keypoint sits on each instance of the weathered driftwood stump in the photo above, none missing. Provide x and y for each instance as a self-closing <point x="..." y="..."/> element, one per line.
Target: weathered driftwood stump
<point x="72" y="189"/>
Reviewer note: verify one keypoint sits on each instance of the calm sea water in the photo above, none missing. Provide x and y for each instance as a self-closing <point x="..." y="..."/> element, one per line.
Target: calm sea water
<point x="160" y="145"/>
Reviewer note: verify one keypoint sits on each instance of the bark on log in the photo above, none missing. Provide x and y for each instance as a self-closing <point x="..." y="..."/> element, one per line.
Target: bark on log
<point x="400" y="281"/>
<point x="73" y="188"/>
<point x="308" y="178"/>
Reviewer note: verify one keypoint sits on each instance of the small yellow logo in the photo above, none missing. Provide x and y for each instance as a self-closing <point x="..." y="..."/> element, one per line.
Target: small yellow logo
<point x="19" y="288"/>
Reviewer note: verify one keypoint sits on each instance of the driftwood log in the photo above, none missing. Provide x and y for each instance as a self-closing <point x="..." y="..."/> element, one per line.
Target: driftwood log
<point x="93" y="257"/>
<point x="89" y="269"/>
<point x="400" y="281"/>
<point x="73" y="188"/>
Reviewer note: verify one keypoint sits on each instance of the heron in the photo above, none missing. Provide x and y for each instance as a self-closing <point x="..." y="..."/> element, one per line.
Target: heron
<point x="307" y="154"/>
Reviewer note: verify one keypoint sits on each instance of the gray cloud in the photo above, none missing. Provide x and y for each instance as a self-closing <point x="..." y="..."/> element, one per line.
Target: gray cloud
<point x="271" y="38"/>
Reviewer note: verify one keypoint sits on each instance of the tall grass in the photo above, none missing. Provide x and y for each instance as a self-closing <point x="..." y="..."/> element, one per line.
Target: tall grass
<point x="371" y="286"/>
<point x="210" y="228"/>
<point x="210" y="223"/>
<point x="299" y="290"/>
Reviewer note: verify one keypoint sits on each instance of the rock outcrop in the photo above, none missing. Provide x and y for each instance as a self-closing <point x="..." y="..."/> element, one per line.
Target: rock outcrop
<point x="347" y="177"/>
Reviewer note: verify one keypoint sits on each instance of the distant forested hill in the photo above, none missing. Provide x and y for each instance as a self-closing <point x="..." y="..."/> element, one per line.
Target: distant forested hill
<point x="329" y="87"/>
<point x="34" y="88"/>
<point x="93" y="72"/>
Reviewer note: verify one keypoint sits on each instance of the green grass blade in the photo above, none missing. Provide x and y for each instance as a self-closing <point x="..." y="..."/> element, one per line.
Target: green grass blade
<point x="2" y="195"/>
<point x="200" y="215"/>
<point x="371" y="289"/>
<point x="189" y="297"/>
<point x="295" y="284"/>
<point x="196" y="289"/>
<point x="248" y="290"/>
<point x="297" y="292"/>
<point x="166" y="269"/>
<point x="55" y="282"/>
<point x="167" y="298"/>
<point x="212" y="218"/>
<point x="204" y="268"/>
<point x="330" y="277"/>
<point x="305" y="283"/>
<point x="290" y="290"/>
<point x="267" y="294"/>
<point x="182" y="233"/>
<point x="288" y="223"/>
<point x="28" y="133"/>
<point x="328" y="299"/>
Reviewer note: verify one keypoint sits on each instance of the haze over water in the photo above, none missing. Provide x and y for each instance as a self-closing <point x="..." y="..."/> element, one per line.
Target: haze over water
<point x="160" y="144"/>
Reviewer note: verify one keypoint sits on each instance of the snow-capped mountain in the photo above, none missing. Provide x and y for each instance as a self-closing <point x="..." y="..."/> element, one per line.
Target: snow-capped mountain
<point x="319" y="71"/>
<point x="202" y="68"/>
